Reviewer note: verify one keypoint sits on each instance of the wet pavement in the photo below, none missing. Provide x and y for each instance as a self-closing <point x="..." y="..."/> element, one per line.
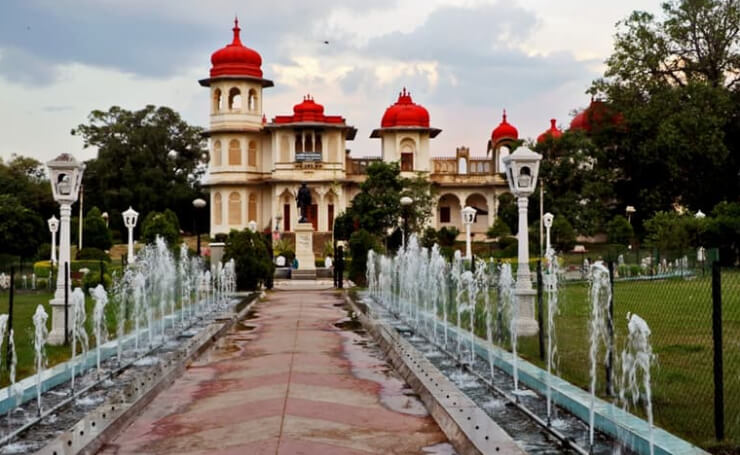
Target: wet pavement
<point x="296" y="377"/>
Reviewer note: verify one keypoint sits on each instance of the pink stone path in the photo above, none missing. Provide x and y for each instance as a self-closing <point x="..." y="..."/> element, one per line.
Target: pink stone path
<point x="292" y="385"/>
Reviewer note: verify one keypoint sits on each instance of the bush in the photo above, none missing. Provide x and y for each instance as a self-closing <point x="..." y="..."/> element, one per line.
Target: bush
<point x="92" y="279"/>
<point x="42" y="269"/>
<point x="319" y="263"/>
<point x="446" y="236"/>
<point x="563" y="234"/>
<point x="619" y="231"/>
<point x="44" y="251"/>
<point x="360" y="242"/>
<point x="507" y="247"/>
<point x="90" y="253"/>
<point x="95" y="232"/>
<point x="429" y="237"/>
<point x="251" y="255"/>
<point x="499" y="229"/>
<point x="160" y="224"/>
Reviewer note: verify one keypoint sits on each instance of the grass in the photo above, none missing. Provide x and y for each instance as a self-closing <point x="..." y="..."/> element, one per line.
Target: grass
<point x="24" y="306"/>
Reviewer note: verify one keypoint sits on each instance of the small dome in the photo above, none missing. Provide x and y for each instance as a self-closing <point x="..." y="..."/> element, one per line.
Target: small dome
<point x="235" y="59"/>
<point x="310" y="111"/>
<point x="308" y="107"/>
<point x="405" y="113"/>
<point x="504" y="130"/>
<point x="553" y="132"/>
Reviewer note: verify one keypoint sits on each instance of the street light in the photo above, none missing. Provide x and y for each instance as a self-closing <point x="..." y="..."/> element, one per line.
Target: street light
<point x="65" y="175"/>
<point x="522" y="168"/>
<point x="405" y="203"/>
<point x="252" y="226"/>
<point x="630" y="210"/>
<point x="468" y="215"/>
<point x="547" y="219"/>
<point x="198" y="204"/>
<point x="104" y="216"/>
<point x="130" y="217"/>
<point x="53" y="228"/>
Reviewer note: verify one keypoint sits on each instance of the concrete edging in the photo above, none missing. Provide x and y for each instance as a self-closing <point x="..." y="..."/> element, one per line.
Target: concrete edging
<point x="105" y="422"/>
<point x="469" y="429"/>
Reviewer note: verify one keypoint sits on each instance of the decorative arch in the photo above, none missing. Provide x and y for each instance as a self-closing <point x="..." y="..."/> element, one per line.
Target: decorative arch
<point x="252" y="100"/>
<point x="235" y="153"/>
<point x="217" y="100"/>
<point x="216" y="153"/>
<point x="252" y="207"/>
<point x="408" y="151"/>
<point x="252" y="154"/>
<point x="448" y="211"/>
<point x="235" y="99"/>
<point x="235" y="209"/>
<point x="218" y="214"/>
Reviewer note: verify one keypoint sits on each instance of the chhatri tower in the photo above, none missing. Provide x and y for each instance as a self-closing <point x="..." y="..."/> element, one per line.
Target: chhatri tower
<point x="257" y="165"/>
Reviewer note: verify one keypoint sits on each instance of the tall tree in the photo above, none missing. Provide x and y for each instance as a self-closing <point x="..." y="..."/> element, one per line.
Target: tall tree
<point x="150" y="159"/>
<point x="377" y="206"/>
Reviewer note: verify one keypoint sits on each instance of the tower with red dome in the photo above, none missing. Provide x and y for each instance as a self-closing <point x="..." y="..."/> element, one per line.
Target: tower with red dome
<point x="503" y="140"/>
<point x="405" y="134"/>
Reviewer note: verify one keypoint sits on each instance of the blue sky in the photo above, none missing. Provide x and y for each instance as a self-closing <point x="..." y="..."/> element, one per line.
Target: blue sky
<point x="464" y="60"/>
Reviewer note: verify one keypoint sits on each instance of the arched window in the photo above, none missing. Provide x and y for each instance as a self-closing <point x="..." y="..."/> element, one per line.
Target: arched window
<point x="462" y="166"/>
<point x="218" y="214"/>
<point x="235" y="153"/>
<point x="318" y="144"/>
<point x="252" y="207"/>
<point x="298" y="143"/>
<point x="252" y="154"/>
<point x="235" y="209"/>
<point x="408" y="147"/>
<point x="308" y="143"/>
<point x="217" y="100"/>
<point x="252" y="100"/>
<point x="216" y="153"/>
<point x="235" y="99"/>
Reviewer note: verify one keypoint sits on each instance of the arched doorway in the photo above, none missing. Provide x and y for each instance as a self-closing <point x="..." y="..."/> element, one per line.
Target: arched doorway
<point x="448" y="211"/>
<point x="480" y="204"/>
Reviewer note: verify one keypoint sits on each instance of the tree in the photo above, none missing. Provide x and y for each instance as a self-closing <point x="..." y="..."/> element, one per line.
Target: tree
<point x="619" y="231"/>
<point x="563" y="234"/>
<point x="252" y="259"/>
<point x="21" y="230"/>
<point x="507" y="211"/>
<point x="676" y="81"/>
<point x="499" y="229"/>
<point x="24" y="178"/>
<point x="667" y="231"/>
<point x="95" y="231"/>
<point x="159" y="224"/>
<point x="724" y="231"/>
<point x="149" y="159"/>
<point x="420" y="211"/>
<point x="360" y="243"/>
<point x="376" y="207"/>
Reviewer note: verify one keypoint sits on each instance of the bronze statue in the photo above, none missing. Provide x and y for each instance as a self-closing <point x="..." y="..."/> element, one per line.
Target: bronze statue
<point x="303" y="201"/>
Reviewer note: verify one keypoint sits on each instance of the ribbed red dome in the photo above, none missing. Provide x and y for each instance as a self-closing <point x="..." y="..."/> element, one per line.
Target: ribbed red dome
<point x="405" y="113"/>
<point x="504" y="130"/>
<point x="236" y="59"/>
<point x="553" y="132"/>
<point x="308" y="107"/>
<point x="596" y="114"/>
<point x="308" y="111"/>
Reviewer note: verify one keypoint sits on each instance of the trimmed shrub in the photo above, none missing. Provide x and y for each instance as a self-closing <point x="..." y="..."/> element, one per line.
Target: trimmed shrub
<point x="93" y="254"/>
<point x="252" y="257"/>
<point x="360" y="242"/>
<point x="92" y="279"/>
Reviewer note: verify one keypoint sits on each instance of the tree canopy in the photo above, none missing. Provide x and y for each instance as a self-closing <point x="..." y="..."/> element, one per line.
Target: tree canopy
<point x="149" y="159"/>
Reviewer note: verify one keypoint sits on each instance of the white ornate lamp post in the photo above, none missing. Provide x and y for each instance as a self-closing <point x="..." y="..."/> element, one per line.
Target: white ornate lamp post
<point x="53" y="228"/>
<point x="130" y="217"/>
<point x="547" y="219"/>
<point x="522" y="168"/>
<point x="65" y="175"/>
<point x="629" y="211"/>
<point x="468" y="216"/>
<point x="252" y="226"/>
<point x="198" y="204"/>
<point x="405" y="204"/>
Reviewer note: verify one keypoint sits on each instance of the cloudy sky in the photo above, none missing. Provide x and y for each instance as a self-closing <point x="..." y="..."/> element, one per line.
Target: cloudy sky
<point x="465" y="60"/>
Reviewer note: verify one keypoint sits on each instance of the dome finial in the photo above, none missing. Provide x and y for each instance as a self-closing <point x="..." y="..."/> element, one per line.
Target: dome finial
<point x="236" y="29"/>
<point x="552" y="123"/>
<point x="504" y="115"/>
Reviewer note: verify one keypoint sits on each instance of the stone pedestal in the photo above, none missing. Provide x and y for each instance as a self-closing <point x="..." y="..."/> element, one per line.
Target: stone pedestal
<point x="56" y="335"/>
<point x="217" y="252"/>
<point x="304" y="246"/>
<point x="526" y="324"/>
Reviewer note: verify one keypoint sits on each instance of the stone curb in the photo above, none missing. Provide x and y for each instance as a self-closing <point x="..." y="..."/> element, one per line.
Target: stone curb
<point x="469" y="429"/>
<point x="105" y="422"/>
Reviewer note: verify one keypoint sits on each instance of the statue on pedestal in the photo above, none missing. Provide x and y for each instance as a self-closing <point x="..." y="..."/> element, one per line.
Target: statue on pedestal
<point x="303" y="201"/>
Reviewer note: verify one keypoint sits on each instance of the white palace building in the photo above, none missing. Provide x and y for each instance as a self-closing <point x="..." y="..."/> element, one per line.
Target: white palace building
<point x="256" y="166"/>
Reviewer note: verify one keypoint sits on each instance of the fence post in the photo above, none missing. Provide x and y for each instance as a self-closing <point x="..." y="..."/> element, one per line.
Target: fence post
<point x="541" y="335"/>
<point x="719" y="396"/>
<point x="10" y="312"/>
<point x="610" y="333"/>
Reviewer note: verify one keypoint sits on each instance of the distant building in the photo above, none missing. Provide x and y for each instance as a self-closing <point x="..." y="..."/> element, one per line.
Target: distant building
<point x="256" y="166"/>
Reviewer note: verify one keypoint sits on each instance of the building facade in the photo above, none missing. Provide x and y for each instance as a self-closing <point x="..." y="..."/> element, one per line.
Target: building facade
<point x="256" y="166"/>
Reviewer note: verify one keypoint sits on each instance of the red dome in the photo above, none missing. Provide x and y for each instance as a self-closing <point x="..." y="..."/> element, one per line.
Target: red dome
<point x="598" y="113"/>
<point x="308" y="111"/>
<point x="235" y="59"/>
<point x="405" y="113"/>
<point x="504" y="130"/>
<point x="553" y="132"/>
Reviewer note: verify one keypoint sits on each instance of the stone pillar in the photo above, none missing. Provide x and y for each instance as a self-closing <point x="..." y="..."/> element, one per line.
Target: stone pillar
<point x="304" y="246"/>
<point x="217" y="252"/>
<point x="56" y="335"/>
<point x="525" y="323"/>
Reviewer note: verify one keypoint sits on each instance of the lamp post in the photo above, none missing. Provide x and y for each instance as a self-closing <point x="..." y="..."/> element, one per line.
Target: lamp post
<point x="522" y="168"/>
<point x="130" y="217"/>
<point x="547" y="219"/>
<point x="252" y="226"/>
<point x="65" y="175"/>
<point x="198" y="204"/>
<point x="405" y="203"/>
<point x="468" y="215"/>
<point x="53" y="228"/>
<point x="105" y="217"/>
<point x="629" y="211"/>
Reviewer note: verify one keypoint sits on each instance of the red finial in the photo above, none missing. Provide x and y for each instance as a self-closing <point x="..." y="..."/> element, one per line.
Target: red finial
<point x="504" y="115"/>
<point x="552" y="123"/>
<point x="236" y="30"/>
<point x="264" y="119"/>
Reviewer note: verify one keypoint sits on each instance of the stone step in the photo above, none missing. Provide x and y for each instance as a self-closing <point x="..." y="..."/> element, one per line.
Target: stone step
<point x="303" y="274"/>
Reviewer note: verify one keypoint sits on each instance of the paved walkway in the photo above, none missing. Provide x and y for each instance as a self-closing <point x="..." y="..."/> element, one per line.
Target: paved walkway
<point x="286" y="382"/>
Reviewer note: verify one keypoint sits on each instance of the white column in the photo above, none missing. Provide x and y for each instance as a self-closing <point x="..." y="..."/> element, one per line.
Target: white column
<point x="526" y="323"/>
<point x="56" y="336"/>
<point x="53" y="247"/>
<point x="468" y="251"/>
<point x="130" y="258"/>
